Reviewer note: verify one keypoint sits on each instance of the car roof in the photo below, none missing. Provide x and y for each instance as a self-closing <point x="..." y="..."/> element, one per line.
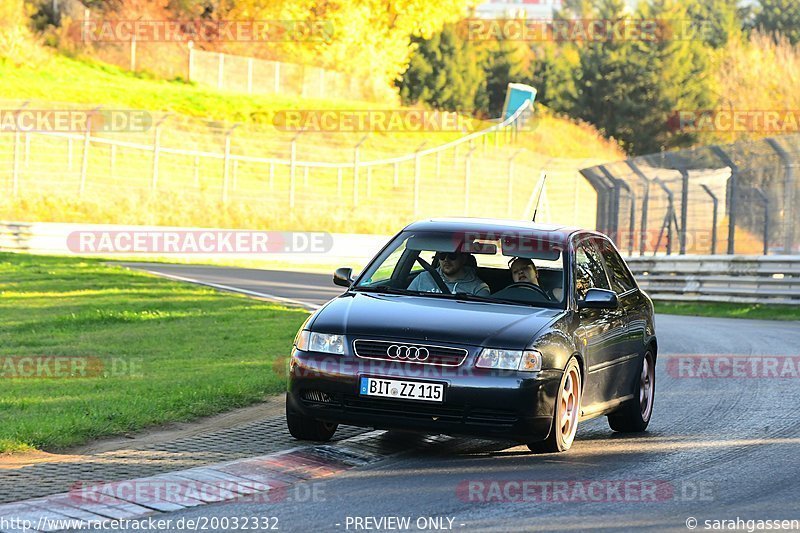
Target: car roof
<point x="495" y="225"/>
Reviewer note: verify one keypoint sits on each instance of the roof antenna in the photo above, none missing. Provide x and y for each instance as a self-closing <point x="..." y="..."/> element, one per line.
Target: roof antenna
<point x="539" y="199"/>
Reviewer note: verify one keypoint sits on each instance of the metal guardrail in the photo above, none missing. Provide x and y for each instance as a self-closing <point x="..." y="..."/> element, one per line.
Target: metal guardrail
<point x="714" y="278"/>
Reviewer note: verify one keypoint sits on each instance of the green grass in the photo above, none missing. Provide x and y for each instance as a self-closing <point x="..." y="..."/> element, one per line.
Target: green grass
<point x="201" y="352"/>
<point x="730" y="310"/>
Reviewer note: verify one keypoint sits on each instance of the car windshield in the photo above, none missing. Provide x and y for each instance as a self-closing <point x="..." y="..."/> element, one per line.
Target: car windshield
<point x="513" y="267"/>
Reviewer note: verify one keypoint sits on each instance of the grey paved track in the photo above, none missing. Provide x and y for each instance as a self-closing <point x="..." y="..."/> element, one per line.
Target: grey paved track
<point x="727" y="447"/>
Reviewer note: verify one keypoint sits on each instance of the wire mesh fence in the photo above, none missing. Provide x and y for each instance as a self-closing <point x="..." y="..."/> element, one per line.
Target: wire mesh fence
<point x="334" y="182"/>
<point x="739" y="198"/>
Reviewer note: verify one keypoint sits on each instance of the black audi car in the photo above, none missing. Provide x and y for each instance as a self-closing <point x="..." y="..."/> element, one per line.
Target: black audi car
<point x="481" y="327"/>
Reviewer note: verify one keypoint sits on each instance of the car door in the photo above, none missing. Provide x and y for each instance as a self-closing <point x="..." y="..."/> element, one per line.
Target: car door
<point x="600" y="331"/>
<point x="636" y="313"/>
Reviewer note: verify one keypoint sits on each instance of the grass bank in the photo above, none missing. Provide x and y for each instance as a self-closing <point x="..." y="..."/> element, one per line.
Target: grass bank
<point x="139" y="351"/>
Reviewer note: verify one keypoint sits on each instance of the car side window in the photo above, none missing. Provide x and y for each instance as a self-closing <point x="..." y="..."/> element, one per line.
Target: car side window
<point x="621" y="280"/>
<point x="589" y="270"/>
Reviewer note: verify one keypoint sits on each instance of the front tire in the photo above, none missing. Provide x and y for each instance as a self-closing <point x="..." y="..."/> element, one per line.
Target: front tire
<point x="566" y="413"/>
<point x="635" y="416"/>
<point x="306" y="428"/>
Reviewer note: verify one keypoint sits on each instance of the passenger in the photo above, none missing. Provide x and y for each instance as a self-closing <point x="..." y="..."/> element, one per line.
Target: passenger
<point x="523" y="271"/>
<point x="457" y="274"/>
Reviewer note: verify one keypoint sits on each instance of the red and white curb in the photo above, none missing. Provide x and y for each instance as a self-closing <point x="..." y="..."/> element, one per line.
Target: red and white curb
<point x="258" y="479"/>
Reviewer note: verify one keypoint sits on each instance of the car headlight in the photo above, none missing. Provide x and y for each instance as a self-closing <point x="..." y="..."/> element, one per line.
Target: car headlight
<point x="525" y="360"/>
<point x="309" y="341"/>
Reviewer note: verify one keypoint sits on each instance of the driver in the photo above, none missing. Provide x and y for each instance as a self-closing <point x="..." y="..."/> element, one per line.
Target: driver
<point x="524" y="271"/>
<point x="456" y="274"/>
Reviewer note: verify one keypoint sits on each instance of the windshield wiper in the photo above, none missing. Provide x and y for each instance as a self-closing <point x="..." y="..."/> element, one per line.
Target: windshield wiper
<point x="476" y="298"/>
<point x="382" y="289"/>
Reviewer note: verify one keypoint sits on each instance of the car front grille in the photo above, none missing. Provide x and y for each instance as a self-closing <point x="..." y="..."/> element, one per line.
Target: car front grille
<point x="409" y="352"/>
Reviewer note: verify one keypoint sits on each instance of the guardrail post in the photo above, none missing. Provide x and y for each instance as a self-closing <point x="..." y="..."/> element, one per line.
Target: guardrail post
<point x="467" y="176"/>
<point x="417" y="161"/>
<point x="510" y="192"/>
<point x="225" y="160"/>
<point x="715" y="202"/>
<point x="156" y="150"/>
<point x="356" y="162"/>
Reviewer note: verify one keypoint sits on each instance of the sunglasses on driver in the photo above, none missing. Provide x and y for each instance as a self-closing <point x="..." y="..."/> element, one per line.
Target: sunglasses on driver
<point x="450" y="256"/>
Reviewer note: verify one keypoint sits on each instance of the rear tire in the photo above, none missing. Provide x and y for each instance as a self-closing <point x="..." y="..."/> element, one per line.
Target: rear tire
<point x="306" y="428"/>
<point x="635" y="416"/>
<point x="566" y="413"/>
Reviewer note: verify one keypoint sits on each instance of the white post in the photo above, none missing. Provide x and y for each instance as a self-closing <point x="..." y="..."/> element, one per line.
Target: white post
<point x="249" y="75"/>
<point x="133" y="53"/>
<point x="220" y="70"/>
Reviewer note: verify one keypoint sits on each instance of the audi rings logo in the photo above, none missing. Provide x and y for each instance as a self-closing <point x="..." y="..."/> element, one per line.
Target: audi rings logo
<point x="408" y="353"/>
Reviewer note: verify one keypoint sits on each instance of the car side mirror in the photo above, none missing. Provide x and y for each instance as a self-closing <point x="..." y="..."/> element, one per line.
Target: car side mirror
<point x="599" y="299"/>
<point x="343" y="276"/>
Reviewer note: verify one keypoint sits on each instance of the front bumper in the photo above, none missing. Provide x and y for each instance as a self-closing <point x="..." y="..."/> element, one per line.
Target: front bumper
<point x="479" y="402"/>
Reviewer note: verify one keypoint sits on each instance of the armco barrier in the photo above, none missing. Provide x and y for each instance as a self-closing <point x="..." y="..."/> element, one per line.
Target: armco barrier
<point x="688" y="278"/>
<point x="720" y="278"/>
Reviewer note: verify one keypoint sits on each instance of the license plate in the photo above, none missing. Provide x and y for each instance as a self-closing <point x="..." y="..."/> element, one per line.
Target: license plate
<point x="405" y="390"/>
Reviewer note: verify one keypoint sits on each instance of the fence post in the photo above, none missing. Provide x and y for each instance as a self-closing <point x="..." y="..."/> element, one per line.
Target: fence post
<point x="249" y="75"/>
<point x="156" y="150"/>
<point x="731" y="196"/>
<point x="715" y="203"/>
<point x="85" y="159"/>
<point x="356" y="161"/>
<point x="417" y="161"/>
<point x="225" y="162"/>
<point x="765" y="201"/>
<point x="27" y="149"/>
<point x="645" y="205"/>
<point x="292" y="167"/>
<point x="684" y="207"/>
<point x="15" y="174"/>
<point x="112" y="156"/>
<point x="510" y="198"/>
<point x="133" y="53"/>
<point x="190" y="69"/>
<point x="271" y="176"/>
<point x="467" y="176"/>
<point x="220" y="70"/>
<point x="789" y="209"/>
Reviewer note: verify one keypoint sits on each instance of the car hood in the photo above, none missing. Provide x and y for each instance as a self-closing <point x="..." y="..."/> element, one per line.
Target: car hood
<point x="433" y="319"/>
